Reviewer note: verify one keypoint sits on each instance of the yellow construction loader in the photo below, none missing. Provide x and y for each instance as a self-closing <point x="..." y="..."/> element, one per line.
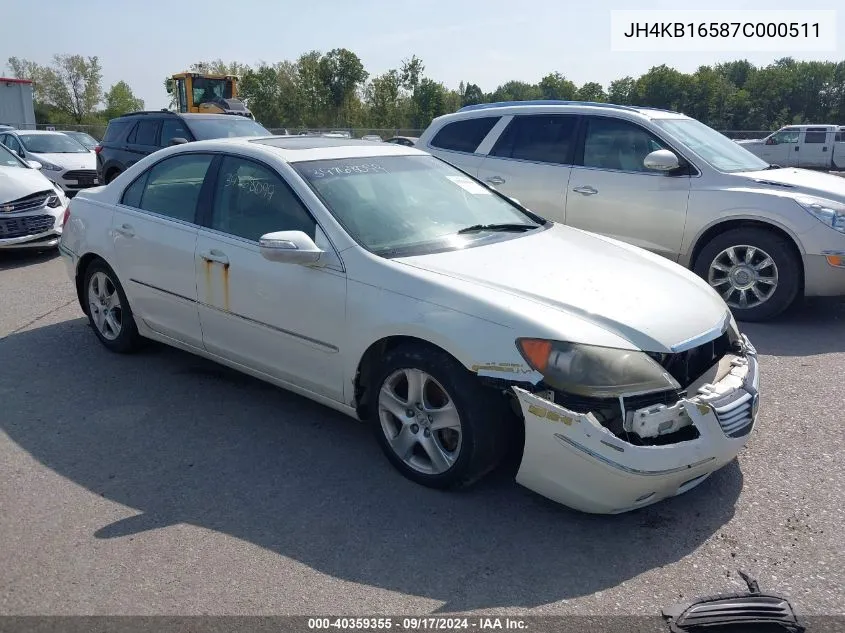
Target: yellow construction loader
<point x="207" y="94"/>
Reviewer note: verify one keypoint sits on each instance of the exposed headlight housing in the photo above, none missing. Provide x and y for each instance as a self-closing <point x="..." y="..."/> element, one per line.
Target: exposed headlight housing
<point x="599" y="372"/>
<point x="827" y="212"/>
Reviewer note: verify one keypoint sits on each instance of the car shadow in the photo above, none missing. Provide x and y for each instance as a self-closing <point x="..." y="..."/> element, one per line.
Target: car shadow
<point x="183" y="440"/>
<point x="18" y="258"/>
<point x="813" y="326"/>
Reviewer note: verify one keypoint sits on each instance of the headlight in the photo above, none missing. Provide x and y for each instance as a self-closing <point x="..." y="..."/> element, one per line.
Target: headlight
<point x="826" y="211"/>
<point x="600" y="372"/>
<point x="48" y="165"/>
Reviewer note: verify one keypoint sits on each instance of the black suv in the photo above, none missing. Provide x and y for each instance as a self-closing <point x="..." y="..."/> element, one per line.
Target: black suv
<point x="132" y="136"/>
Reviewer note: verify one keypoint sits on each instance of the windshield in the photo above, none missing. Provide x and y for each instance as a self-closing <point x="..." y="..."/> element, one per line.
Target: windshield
<point x="411" y="205"/>
<point x="717" y="149"/>
<point x="51" y="144"/>
<point x="208" y="90"/>
<point x="8" y="159"/>
<point x="232" y="125"/>
<point x="86" y="139"/>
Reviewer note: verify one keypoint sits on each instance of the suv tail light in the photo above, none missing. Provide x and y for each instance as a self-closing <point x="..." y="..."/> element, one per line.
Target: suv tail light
<point x="98" y="148"/>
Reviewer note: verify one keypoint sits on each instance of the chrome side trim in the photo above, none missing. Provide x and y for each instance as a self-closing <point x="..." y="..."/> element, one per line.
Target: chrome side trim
<point x="302" y="337"/>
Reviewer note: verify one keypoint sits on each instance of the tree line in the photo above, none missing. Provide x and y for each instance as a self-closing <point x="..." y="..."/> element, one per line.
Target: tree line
<point x="333" y="89"/>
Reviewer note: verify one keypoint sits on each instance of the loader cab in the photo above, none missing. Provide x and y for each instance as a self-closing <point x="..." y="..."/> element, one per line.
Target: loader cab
<point x="207" y="94"/>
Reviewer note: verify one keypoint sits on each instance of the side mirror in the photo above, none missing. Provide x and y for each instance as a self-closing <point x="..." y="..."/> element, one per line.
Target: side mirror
<point x="661" y="160"/>
<point x="34" y="164"/>
<point x="178" y="141"/>
<point x="289" y="247"/>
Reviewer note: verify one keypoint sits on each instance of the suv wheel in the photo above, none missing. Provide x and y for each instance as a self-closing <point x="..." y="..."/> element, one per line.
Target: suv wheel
<point x="112" y="174"/>
<point x="756" y="271"/>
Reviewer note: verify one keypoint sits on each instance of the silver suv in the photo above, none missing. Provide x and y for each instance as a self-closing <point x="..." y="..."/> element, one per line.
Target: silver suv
<point x="667" y="183"/>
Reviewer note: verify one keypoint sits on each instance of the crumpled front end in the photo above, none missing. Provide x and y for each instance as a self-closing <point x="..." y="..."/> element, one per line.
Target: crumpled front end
<point x="661" y="450"/>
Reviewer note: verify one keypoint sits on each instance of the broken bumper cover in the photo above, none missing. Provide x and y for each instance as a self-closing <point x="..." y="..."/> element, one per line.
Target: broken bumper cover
<point x="570" y="458"/>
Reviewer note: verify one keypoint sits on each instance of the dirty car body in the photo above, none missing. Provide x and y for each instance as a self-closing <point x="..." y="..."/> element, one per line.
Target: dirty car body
<point x="389" y="285"/>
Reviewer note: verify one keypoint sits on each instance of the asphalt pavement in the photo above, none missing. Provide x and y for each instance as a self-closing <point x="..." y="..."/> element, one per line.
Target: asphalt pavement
<point x="161" y="483"/>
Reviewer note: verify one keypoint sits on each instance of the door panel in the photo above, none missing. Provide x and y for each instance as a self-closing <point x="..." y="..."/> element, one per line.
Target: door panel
<point x="815" y="148"/>
<point x="155" y="239"/>
<point x="612" y="193"/>
<point x="281" y="319"/>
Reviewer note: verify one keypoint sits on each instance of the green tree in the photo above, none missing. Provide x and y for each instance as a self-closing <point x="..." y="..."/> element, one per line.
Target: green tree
<point x="382" y="96"/>
<point x="516" y="91"/>
<point x="341" y="73"/>
<point x="120" y="99"/>
<point x="622" y="91"/>
<point x="471" y="95"/>
<point x="556" y="86"/>
<point x="591" y="91"/>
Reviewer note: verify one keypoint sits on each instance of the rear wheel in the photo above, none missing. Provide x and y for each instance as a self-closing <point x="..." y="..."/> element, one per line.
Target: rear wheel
<point x="434" y="421"/>
<point x="757" y="272"/>
<point x="112" y="174"/>
<point x="108" y="309"/>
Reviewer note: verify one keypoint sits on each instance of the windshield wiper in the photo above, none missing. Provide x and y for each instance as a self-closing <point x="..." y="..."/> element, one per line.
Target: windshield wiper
<point x="773" y="166"/>
<point x="504" y="228"/>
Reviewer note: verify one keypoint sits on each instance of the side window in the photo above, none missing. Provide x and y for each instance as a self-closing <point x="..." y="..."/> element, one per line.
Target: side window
<point x="251" y="200"/>
<point x="183" y="96"/>
<point x="114" y="130"/>
<point x="815" y="135"/>
<point x="132" y="194"/>
<point x="173" y="186"/>
<point x="840" y="137"/>
<point x="173" y="128"/>
<point x="13" y="144"/>
<point x="787" y="136"/>
<point x="464" y="136"/>
<point x="545" y="138"/>
<point x="145" y="132"/>
<point x="617" y="144"/>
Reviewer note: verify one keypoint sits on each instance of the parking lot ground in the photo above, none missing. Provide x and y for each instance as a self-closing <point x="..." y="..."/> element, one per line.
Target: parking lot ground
<point x="161" y="483"/>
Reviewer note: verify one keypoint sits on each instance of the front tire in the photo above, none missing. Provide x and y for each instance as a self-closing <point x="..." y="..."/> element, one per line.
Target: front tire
<point x="108" y="309"/>
<point x="757" y="272"/>
<point x="434" y="421"/>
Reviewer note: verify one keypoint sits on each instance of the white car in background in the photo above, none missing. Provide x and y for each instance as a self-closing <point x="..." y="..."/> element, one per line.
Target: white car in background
<point x="386" y="284"/>
<point x="83" y="138"/>
<point x="31" y="207"/>
<point x="63" y="160"/>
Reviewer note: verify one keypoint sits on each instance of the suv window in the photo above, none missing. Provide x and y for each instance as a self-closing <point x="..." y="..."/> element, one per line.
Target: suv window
<point x="144" y="133"/>
<point x="464" y="136"/>
<point x="171" y="187"/>
<point x="251" y="200"/>
<point x="545" y="138"/>
<point x="115" y="129"/>
<point x="815" y="135"/>
<point x="617" y="144"/>
<point x="173" y="128"/>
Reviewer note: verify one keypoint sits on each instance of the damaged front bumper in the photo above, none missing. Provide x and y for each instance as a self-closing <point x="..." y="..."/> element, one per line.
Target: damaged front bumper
<point x="571" y="458"/>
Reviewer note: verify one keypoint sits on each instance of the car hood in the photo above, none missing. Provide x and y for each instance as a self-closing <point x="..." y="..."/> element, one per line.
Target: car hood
<point x="17" y="182"/>
<point x="805" y="181"/>
<point x="646" y="299"/>
<point x="88" y="160"/>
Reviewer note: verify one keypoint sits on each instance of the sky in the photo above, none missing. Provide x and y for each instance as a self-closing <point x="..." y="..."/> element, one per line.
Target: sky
<point x="484" y="42"/>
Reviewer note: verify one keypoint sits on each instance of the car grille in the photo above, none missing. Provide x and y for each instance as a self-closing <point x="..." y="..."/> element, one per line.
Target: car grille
<point x="27" y="203"/>
<point x="736" y="417"/>
<point x="80" y="174"/>
<point x="21" y="227"/>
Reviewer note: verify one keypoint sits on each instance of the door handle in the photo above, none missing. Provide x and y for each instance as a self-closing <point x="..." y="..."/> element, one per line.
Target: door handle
<point x="796" y="148"/>
<point x="496" y="180"/>
<point x="215" y="256"/>
<point x="586" y="190"/>
<point x="824" y="149"/>
<point x="125" y="230"/>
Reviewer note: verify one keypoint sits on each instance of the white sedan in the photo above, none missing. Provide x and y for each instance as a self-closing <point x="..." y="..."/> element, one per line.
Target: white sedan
<point x="31" y="207"/>
<point x="382" y="282"/>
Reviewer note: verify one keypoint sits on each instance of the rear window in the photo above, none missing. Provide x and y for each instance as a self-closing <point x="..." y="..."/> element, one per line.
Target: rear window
<point x="464" y="136"/>
<point x="225" y="127"/>
<point x="815" y="135"/>
<point x="115" y="130"/>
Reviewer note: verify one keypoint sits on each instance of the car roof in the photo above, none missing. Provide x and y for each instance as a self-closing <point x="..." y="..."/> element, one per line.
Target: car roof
<point x="546" y="105"/>
<point x="294" y="149"/>
<point x="186" y="115"/>
<point x="44" y="132"/>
